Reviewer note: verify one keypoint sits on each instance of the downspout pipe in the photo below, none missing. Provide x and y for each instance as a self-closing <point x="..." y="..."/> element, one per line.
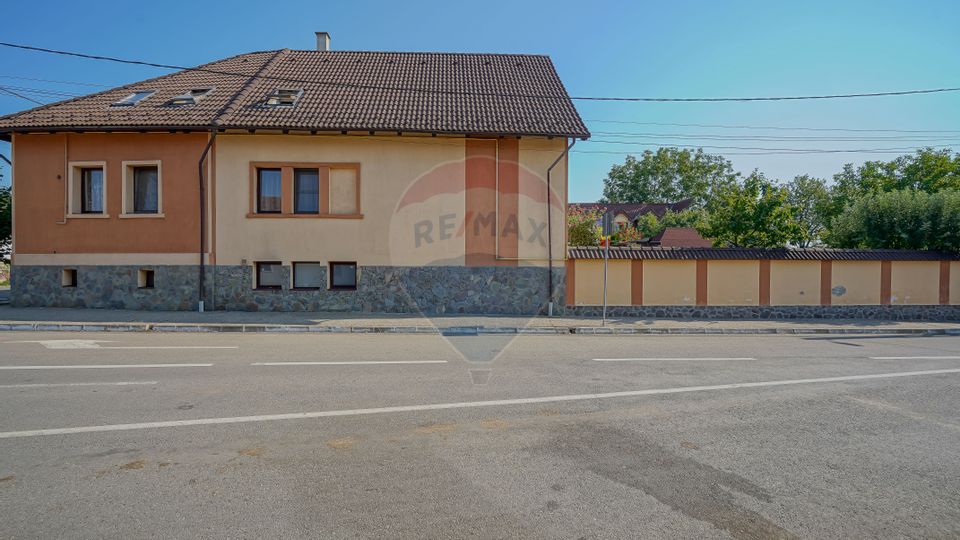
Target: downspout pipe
<point x="566" y="151"/>
<point x="203" y="219"/>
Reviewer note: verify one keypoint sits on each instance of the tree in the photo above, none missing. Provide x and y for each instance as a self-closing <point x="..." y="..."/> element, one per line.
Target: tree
<point x="752" y="213"/>
<point x="6" y="220"/>
<point x="811" y="199"/>
<point x="927" y="170"/>
<point x="667" y="175"/>
<point x="583" y="227"/>
<point x="901" y="219"/>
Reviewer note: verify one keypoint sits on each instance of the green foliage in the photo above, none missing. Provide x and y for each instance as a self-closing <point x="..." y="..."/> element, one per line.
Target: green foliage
<point x="811" y="199"/>
<point x="6" y="210"/>
<point x="901" y="219"/>
<point x="667" y="175"/>
<point x="928" y="170"/>
<point x="583" y="227"/>
<point x="628" y="235"/>
<point x="751" y="213"/>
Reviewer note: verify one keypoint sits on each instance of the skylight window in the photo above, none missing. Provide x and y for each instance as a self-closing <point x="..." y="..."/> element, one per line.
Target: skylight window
<point x="284" y="97"/>
<point x="189" y="98"/>
<point x="134" y="98"/>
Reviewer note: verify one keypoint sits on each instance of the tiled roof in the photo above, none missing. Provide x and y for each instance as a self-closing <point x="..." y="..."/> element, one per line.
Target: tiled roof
<point x="500" y="94"/>
<point x="635" y="210"/>
<point x="686" y="237"/>
<point x="790" y="254"/>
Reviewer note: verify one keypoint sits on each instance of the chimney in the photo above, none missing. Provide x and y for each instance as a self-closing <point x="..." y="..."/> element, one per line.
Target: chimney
<point x="323" y="41"/>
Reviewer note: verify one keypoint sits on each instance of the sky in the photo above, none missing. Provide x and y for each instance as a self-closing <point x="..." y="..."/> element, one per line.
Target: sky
<point x="633" y="49"/>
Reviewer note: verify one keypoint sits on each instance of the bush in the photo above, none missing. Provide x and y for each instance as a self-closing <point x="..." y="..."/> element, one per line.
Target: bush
<point x="583" y="228"/>
<point x="902" y="219"/>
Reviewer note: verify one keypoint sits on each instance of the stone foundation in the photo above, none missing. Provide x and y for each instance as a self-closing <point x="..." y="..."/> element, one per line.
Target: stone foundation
<point x="382" y="289"/>
<point x="886" y="313"/>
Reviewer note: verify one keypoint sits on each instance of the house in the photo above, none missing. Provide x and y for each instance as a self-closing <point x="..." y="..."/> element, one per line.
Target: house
<point x="300" y="180"/>
<point x="624" y="214"/>
<point x="686" y="237"/>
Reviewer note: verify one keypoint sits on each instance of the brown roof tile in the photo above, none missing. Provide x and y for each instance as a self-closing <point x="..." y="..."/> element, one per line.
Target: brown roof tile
<point x="686" y="237"/>
<point x="381" y="91"/>
<point x="791" y="254"/>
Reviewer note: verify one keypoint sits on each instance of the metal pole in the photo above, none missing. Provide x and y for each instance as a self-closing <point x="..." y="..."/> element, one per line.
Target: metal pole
<point x="606" y="257"/>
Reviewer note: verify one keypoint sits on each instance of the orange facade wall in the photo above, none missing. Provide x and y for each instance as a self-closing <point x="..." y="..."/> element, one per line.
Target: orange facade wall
<point x="41" y="170"/>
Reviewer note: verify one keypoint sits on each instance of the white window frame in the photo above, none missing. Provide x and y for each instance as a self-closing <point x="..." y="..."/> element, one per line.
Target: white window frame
<point x="127" y="188"/>
<point x="73" y="185"/>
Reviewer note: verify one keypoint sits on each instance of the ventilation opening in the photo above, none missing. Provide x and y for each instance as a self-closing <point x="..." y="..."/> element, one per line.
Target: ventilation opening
<point x="68" y="277"/>
<point x="145" y="278"/>
<point x="133" y="98"/>
<point x="284" y="97"/>
<point x="189" y="98"/>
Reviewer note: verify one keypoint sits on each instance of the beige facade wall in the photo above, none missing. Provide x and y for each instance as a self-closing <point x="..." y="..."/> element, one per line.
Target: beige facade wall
<point x="407" y="185"/>
<point x="733" y="283"/>
<point x="589" y="283"/>
<point x="535" y="156"/>
<point x="794" y="283"/>
<point x="955" y="283"/>
<point x="855" y="283"/>
<point x="669" y="283"/>
<point x="915" y="282"/>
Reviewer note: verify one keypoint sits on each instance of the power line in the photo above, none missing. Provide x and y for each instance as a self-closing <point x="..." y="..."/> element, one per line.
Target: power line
<point x="75" y="83"/>
<point x="484" y="94"/>
<point x="14" y="94"/>
<point x="808" y="150"/>
<point x="715" y="137"/>
<point x="28" y="90"/>
<point x="774" y="128"/>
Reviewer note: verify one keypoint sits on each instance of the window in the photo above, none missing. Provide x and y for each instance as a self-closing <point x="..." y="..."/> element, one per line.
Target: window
<point x="343" y="275"/>
<point x="133" y="98"/>
<point x="68" y="277"/>
<point x="189" y="98"/>
<point x="269" y="275"/>
<point x="306" y="187"/>
<point x="284" y="97"/>
<point x="145" y="278"/>
<point x="91" y="190"/>
<point x="307" y="275"/>
<point x="269" y="190"/>
<point x="146" y="187"/>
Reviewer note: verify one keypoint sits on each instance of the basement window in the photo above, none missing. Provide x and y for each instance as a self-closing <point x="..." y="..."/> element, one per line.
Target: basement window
<point x="189" y="98"/>
<point x="284" y="97"/>
<point x="145" y="278"/>
<point x="269" y="275"/>
<point x="133" y="98"/>
<point x="68" y="277"/>
<point x="343" y="276"/>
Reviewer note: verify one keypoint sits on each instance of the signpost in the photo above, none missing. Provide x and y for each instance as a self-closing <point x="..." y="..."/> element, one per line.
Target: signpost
<point x="605" y="242"/>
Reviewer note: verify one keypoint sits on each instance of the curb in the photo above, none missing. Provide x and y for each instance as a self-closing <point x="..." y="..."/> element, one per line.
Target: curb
<point x="452" y="331"/>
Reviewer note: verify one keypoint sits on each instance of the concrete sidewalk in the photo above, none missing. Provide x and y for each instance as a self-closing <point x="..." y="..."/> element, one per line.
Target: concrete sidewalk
<point x="65" y="319"/>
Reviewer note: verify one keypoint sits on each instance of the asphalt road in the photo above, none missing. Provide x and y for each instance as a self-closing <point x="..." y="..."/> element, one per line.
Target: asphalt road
<point x="221" y="435"/>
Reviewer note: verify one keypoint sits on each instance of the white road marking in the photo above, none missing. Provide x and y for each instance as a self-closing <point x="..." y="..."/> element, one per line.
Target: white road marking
<point x="48" y="385"/>
<point x="184" y="347"/>
<point x="106" y="366"/>
<point x="457" y="405"/>
<point x="349" y="363"/>
<point x="73" y="344"/>
<point x="672" y="359"/>
<point x="915" y="357"/>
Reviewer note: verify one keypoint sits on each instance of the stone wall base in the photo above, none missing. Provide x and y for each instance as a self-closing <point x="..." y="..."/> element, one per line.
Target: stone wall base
<point x="887" y="313"/>
<point x="506" y="290"/>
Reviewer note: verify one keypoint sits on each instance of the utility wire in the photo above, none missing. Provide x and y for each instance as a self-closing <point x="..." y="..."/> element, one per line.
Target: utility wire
<point x="775" y="128"/>
<point x="74" y="83"/>
<point x="486" y="94"/>
<point x="715" y="137"/>
<point x="21" y="96"/>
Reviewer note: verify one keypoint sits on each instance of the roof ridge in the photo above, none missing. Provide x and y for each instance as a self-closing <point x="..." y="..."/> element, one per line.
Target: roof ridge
<point x="231" y="105"/>
<point x="436" y="53"/>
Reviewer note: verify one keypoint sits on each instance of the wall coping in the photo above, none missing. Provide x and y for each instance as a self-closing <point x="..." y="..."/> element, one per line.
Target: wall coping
<point x="786" y="254"/>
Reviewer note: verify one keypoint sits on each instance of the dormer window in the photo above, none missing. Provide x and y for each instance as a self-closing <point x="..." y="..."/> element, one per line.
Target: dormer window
<point x="284" y="97"/>
<point x="189" y="98"/>
<point x="133" y="98"/>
